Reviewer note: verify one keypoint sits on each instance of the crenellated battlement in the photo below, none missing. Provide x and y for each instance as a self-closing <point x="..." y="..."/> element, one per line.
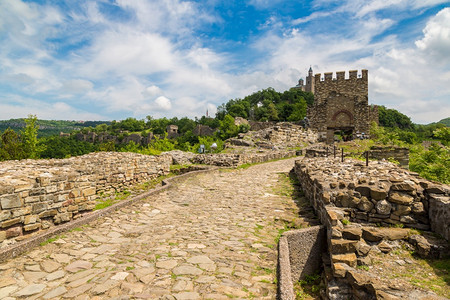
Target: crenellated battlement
<point x="340" y="76"/>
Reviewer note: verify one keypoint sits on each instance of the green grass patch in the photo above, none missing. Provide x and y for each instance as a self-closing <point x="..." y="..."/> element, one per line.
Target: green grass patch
<point x="104" y="204"/>
<point x="52" y="239"/>
<point x="308" y="288"/>
<point x="363" y="267"/>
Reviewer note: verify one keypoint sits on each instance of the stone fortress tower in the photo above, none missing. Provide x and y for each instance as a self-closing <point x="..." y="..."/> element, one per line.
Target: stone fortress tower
<point x="340" y="104"/>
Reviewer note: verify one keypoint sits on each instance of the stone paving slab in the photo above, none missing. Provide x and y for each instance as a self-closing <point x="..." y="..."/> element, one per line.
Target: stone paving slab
<point x="209" y="236"/>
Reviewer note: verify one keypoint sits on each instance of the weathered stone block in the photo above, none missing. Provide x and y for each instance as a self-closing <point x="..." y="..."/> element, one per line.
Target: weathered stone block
<point x="44" y="179"/>
<point x="363" y="190"/>
<point x="31" y="227"/>
<point x="30" y="219"/>
<point x="32" y="199"/>
<point x="383" y="207"/>
<point x="72" y="208"/>
<point x="10" y="201"/>
<point x="62" y="217"/>
<point x="435" y="189"/>
<point x="362" y="248"/>
<point x="402" y="210"/>
<point x="22" y="185"/>
<point x="18" y="212"/>
<point x="384" y="247"/>
<point x="11" y="222"/>
<point x="342" y="246"/>
<point x="373" y="234"/>
<point x="349" y="259"/>
<point x="48" y="213"/>
<point x="340" y="269"/>
<point x="2" y="235"/>
<point x="75" y="193"/>
<point x="39" y="207"/>
<point x="378" y="193"/>
<point x="352" y="233"/>
<point x="418" y="208"/>
<point x="51" y="188"/>
<point x="5" y="215"/>
<point x="89" y="191"/>
<point x="406" y="186"/>
<point x="400" y="198"/>
<point x="13" y="232"/>
<point x="37" y="191"/>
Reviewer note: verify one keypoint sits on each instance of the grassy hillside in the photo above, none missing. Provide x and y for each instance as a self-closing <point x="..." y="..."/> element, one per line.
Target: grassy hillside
<point x="445" y="121"/>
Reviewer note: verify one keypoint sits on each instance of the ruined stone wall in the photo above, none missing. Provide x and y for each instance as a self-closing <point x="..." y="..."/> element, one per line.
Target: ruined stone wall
<point x="36" y="194"/>
<point x="353" y="201"/>
<point x="203" y="130"/>
<point x="255" y="125"/>
<point x="234" y="160"/>
<point x="399" y="154"/>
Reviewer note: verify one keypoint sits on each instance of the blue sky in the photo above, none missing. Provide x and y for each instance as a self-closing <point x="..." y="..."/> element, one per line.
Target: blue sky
<point x="113" y="59"/>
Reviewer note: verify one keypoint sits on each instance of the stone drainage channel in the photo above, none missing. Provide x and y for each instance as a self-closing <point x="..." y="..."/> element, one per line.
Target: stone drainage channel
<point x="212" y="235"/>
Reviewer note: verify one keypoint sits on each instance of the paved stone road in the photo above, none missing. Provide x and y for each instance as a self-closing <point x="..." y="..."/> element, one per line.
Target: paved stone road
<point x="210" y="236"/>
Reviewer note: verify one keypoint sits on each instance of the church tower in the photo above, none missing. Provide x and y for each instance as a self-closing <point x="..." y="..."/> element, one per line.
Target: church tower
<point x="309" y="87"/>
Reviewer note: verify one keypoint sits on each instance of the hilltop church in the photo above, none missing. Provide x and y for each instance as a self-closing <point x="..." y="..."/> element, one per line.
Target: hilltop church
<point x="340" y="104"/>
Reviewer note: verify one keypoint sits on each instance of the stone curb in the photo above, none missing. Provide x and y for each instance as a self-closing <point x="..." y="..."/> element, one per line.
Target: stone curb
<point x="24" y="246"/>
<point x="299" y="254"/>
<point x="285" y="285"/>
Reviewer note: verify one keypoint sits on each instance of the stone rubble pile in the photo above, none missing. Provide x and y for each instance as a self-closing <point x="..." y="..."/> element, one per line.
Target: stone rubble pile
<point x="37" y="194"/>
<point x="365" y="210"/>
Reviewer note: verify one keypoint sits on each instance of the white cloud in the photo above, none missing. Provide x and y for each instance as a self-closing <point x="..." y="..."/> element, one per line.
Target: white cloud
<point x="436" y="40"/>
<point x="153" y="91"/>
<point x="163" y="103"/>
<point x="127" y="52"/>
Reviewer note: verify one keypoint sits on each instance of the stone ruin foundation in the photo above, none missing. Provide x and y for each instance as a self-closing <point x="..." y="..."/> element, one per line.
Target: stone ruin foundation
<point x="372" y="208"/>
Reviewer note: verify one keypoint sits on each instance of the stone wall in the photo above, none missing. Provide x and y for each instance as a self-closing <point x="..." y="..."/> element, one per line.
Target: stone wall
<point x="203" y="130"/>
<point x="234" y="160"/>
<point x="255" y="125"/>
<point x="37" y="194"/>
<point x="399" y="154"/>
<point x="353" y="201"/>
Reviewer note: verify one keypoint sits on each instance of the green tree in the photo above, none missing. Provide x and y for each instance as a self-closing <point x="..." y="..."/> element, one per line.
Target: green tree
<point x="29" y="138"/>
<point x="298" y="111"/>
<point x="443" y="134"/>
<point x="11" y="146"/>
<point x="227" y="128"/>
<point x="272" y="112"/>
<point x="431" y="163"/>
<point x="393" y="118"/>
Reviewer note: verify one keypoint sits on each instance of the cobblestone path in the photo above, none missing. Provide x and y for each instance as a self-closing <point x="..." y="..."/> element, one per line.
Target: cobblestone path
<point x="210" y="236"/>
